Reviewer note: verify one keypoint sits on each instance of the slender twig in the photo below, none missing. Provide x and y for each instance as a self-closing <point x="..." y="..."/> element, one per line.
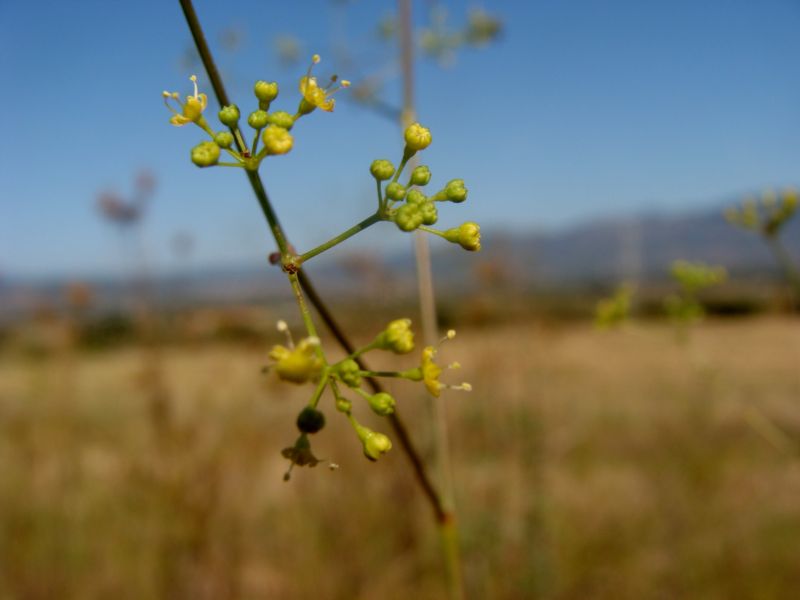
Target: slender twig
<point x="358" y="227"/>
<point x="789" y="267"/>
<point x="401" y="433"/>
<point x="448" y="528"/>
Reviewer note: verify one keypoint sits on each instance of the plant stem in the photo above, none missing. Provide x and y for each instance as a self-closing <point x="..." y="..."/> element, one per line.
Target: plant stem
<point x="418" y="467"/>
<point x="358" y="227"/>
<point x="789" y="267"/>
<point x="448" y="526"/>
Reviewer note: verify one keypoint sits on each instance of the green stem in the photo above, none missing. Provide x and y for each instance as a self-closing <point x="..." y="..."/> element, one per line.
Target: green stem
<point x="383" y="374"/>
<point x="306" y="314"/>
<point x="323" y="383"/>
<point x="255" y="142"/>
<point x="358" y="227"/>
<point x="381" y="201"/>
<point x="431" y="230"/>
<point x="403" y="163"/>
<point x="225" y="164"/>
<point x="371" y="346"/>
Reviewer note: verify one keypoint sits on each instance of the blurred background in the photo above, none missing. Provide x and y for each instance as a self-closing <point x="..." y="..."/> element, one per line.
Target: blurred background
<point x="634" y="428"/>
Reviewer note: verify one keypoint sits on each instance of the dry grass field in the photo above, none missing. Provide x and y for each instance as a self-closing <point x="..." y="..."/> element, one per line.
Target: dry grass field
<point x="587" y="465"/>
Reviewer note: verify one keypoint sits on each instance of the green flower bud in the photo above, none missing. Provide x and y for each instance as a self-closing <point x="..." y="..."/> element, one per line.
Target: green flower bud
<point x="266" y="91"/>
<point x="417" y="138"/>
<point x="467" y="235"/>
<point x="310" y="420"/>
<point x="455" y="190"/>
<point x="408" y="217"/>
<point x="397" y="337"/>
<point x="395" y="191"/>
<point x="375" y="444"/>
<point x="257" y="119"/>
<point x="224" y="139"/>
<point x="281" y="119"/>
<point x="429" y="213"/>
<point x="277" y="140"/>
<point x="416" y="197"/>
<point x="382" y="404"/>
<point x="205" y="154"/>
<point x="420" y="176"/>
<point x="349" y="372"/>
<point x="381" y="169"/>
<point x="229" y="115"/>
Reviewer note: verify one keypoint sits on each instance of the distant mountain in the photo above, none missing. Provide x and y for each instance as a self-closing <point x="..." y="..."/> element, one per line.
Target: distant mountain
<point x="637" y="248"/>
<point x="597" y="252"/>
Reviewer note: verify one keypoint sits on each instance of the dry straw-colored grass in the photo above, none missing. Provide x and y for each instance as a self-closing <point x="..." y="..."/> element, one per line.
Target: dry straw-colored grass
<point x="588" y="465"/>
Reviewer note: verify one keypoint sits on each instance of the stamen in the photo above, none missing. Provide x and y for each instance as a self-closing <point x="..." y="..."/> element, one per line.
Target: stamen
<point x="454" y="365"/>
<point x="333" y="466"/>
<point x="194" y="81"/>
<point x="451" y="333"/>
<point x="167" y="97"/>
<point x="345" y="83"/>
<point x="284" y="328"/>
<point x="314" y="61"/>
<point x="464" y="387"/>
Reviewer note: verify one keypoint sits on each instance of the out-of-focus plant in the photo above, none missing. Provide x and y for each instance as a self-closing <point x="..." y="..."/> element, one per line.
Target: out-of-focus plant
<point x="614" y="311"/>
<point x="684" y="307"/>
<point x="767" y="216"/>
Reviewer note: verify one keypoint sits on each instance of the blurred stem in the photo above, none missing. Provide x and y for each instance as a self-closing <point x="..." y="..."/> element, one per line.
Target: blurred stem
<point x="302" y="279"/>
<point x="448" y="526"/>
<point x="789" y="267"/>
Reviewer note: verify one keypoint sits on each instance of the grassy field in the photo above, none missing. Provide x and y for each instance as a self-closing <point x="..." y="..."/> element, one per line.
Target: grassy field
<point x="587" y="465"/>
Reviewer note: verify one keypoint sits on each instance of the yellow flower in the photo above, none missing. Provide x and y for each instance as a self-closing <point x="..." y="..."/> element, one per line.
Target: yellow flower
<point x="316" y="96"/>
<point x="431" y="372"/>
<point x="191" y="110"/>
<point x="298" y="364"/>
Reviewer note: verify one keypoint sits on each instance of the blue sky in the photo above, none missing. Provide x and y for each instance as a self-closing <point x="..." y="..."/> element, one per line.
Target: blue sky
<point x="583" y="109"/>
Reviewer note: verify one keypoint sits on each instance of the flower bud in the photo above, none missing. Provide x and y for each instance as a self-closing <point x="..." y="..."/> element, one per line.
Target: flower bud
<point x="395" y="191"/>
<point x="429" y="213"/>
<point x="408" y="217"/>
<point x="467" y="235"/>
<point x="229" y="115"/>
<point x="224" y="139"/>
<point x="349" y="372"/>
<point x="397" y="337"/>
<point x="205" y="154"/>
<point x="281" y="119"/>
<point x="416" y="197"/>
<point x="420" y="176"/>
<point x="417" y="138"/>
<point x="381" y="169"/>
<point x="382" y="403"/>
<point x="277" y="140"/>
<point x="257" y="119"/>
<point x="310" y="420"/>
<point x="455" y="190"/>
<point x="265" y="91"/>
<point x="375" y="444"/>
